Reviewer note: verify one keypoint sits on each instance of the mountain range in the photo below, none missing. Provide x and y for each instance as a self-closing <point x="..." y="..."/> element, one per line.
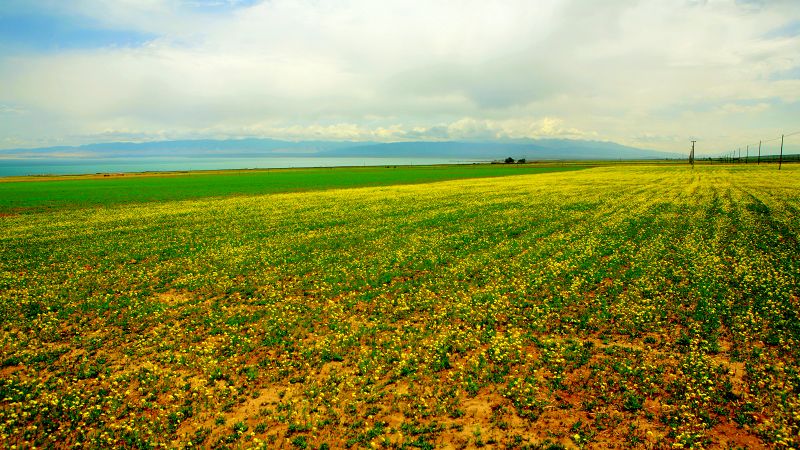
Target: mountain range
<point x="533" y="149"/>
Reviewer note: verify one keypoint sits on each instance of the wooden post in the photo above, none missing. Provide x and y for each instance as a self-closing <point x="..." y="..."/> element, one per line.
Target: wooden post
<point x="759" y="152"/>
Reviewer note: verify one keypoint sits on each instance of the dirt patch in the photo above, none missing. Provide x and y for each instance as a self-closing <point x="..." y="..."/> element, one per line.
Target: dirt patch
<point x="172" y="298"/>
<point x="736" y="371"/>
<point x="728" y="435"/>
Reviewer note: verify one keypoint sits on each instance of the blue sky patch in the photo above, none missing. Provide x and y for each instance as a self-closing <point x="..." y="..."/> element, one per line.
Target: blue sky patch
<point x="790" y="30"/>
<point x="218" y="5"/>
<point x="788" y="74"/>
<point x="33" y="31"/>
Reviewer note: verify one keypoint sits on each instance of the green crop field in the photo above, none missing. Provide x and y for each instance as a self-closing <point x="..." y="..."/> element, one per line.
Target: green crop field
<point x="651" y="306"/>
<point x="20" y="194"/>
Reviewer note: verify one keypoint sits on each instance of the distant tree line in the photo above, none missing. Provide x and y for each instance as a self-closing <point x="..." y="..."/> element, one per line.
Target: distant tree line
<point x="511" y="160"/>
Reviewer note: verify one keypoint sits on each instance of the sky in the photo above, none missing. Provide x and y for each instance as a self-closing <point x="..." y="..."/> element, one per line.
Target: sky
<point x="649" y="73"/>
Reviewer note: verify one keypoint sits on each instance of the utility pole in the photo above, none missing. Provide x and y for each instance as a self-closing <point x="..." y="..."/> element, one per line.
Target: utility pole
<point x="691" y="155"/>
<point x="759" y="152"/>
<point x="780" y="160"/>
<point x="747" y="154"/>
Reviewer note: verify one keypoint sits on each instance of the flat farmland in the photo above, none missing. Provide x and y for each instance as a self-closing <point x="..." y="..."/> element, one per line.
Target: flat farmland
<point x="651" y="306"/>
<point x="26" y="194"/>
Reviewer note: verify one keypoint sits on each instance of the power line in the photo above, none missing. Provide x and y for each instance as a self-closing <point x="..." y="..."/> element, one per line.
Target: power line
<point x="735" y="155"/>
<point x="777" y="138"/>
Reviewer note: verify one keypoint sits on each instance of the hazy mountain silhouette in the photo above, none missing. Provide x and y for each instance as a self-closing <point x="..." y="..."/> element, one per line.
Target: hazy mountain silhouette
<point x="533" y="149"/>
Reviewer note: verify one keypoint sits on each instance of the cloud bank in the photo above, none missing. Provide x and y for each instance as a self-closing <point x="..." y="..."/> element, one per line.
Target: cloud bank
<point x="646" y="73"/>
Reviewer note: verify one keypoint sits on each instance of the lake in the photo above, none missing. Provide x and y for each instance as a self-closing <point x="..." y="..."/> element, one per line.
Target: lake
<point x="17" y="167"/>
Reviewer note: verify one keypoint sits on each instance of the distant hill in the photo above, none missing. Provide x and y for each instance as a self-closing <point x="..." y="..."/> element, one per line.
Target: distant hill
<point x="189" y="148"/>
<point x="533" y="150"/>
<point x="543" y="149"/>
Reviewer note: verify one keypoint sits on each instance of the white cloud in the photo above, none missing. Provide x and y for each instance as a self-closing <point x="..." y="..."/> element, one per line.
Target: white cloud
<point x="466" y="128"/>
<point x="447" y="69"/>
<point x="733" y="108"/>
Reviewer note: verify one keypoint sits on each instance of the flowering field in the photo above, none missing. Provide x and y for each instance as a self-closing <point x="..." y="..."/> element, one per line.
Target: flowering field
<point x="614" y="306"/>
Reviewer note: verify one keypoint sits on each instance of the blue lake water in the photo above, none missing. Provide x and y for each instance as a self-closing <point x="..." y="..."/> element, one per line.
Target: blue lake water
<point x="16" y="167"/>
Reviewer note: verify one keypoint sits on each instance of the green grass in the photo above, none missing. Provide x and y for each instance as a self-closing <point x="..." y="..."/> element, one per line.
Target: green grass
<point x="43" y="194"/>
